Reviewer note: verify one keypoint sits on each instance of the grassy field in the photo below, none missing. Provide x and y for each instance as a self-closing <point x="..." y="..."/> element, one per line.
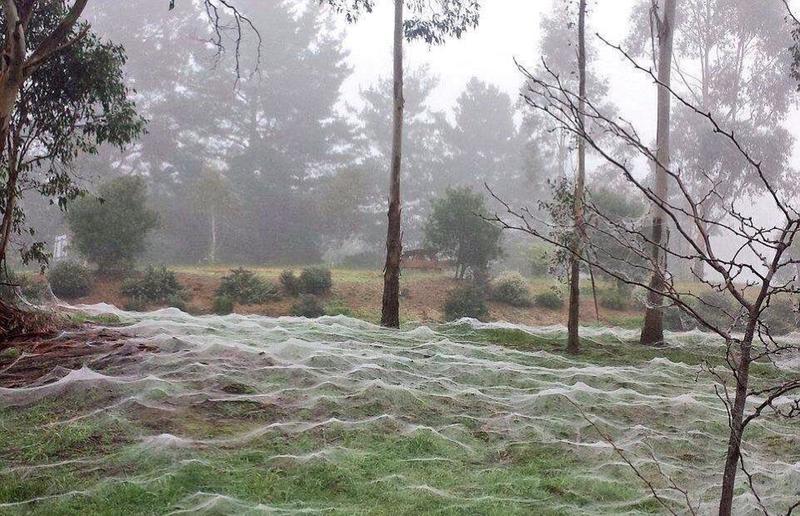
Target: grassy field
<point x="246" y="415"/>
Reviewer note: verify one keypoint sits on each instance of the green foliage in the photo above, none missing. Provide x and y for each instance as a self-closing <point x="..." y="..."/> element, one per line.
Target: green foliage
<point x="111" y="230"/>
<point x="780" y="318"/>
<point x="466" y="301"/>
<point x="308" y="306"/>
<point x="511" y="288"/>
<point x="338" y="307"/>
<point x="717" y="308"/>
<point x="289" y="283"/>
<point x="540" y="261"/>
<point x="69" y="279"/>
<point x="71" y="105"/>
<point x="550" y="299"/>
<point x="223" y="305"/>
<point x="609" y="209"/>
<point x="158" y="285"/>
<point x="456" y="229"/>
<point x="315" y="280"/>
<point x="245" y="287"/>
<point x="30" y="287"/>
<point x="615" y="300"/>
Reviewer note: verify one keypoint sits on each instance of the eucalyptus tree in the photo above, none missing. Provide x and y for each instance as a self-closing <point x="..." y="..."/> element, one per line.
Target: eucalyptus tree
<point x="748" y="285"/>
<point x="731" y="59"/>
<point x="72" y="103"/>
<point x="432" y="22"/>
<point x="28" y="47"/>
<point x="663" y="14"/>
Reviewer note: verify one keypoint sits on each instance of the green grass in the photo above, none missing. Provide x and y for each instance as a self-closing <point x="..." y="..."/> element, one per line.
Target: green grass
<point x="80" y="453"/>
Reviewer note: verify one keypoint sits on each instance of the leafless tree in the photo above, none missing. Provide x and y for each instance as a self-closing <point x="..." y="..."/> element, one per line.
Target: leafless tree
<point x="746" y="275"/>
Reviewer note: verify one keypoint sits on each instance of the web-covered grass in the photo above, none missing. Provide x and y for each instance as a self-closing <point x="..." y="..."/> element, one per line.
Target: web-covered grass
<point x="233" y="415"/>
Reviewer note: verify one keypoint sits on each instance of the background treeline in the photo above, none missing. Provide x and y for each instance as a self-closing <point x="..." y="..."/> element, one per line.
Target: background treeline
<point x="281" y="167"/>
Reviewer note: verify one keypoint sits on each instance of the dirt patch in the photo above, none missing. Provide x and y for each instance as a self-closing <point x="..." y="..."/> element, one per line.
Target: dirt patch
<point x="31" y="360"/>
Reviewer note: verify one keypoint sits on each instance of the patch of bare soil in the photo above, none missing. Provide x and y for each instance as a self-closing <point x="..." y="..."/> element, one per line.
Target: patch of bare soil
<point x="31" y="360"/>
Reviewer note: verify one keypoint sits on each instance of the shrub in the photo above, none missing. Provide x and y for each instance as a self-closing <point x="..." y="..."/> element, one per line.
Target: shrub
<point x="551" y="299"/>
<point x="111" y="230"/>
<point x="468" y="301"/>
<point x="243" y="286"/>
<point x="156" y="285"/>
<point x="31" y="289"/>
<point x="308" y="306"/>
<point x="315" y="280"/>
<point x="780" y="317"/>
<point x="289" y="283"/>
<point x="338" y="307"/>
<point x="615" y="300"/>
<point x="223" y="305"/>
<point x="511" y="288"/>
<point x="719" y="308"/>
<point x="676" y="319"/>
<point x="539" y="261"/>
<point x="69" y="279"/>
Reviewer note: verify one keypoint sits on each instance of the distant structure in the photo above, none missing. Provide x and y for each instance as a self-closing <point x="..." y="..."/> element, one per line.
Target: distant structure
<point x="61" y="248"/>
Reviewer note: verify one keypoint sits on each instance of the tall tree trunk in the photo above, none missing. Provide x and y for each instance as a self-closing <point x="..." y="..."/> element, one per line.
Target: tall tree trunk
<point x="653" y="328"/>
<point x="736" y="418"/>
<point x="10" y="202"/>
<point x="390" y="309"/>
<point x="573" y="338"/>
<point x="212" y="252"/>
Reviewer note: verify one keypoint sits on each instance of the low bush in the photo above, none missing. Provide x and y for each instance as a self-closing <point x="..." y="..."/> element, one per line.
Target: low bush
<point x="69" y="279"/>
<point x="615" y="300"/>
<point x="551" y="300"/>
<point x="676" y="319"/>
<point x="780" y="317"/>
<point x="468" y="301"/>
<point x="718" y="308"/>
<point x="243" y="286"/>
<point x="31" y="288"/>
<point x="539" y="261"/>
<point x="511" y="288"/>
<point x="158" y="285"/>
<point x="223" y="305"/>
<point x="308" y="306"/>
<point x="338" y="307"/>
<point x="315" y="280"/>
<point x="289" y="283"/>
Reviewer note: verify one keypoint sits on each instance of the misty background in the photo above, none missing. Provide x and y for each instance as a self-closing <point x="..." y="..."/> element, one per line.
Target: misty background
<point x="289" y="163"/>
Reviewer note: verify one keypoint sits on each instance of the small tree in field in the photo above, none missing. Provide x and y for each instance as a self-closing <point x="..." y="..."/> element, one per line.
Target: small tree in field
<point x="111" y="229"/>
<point x="456" y="227"/>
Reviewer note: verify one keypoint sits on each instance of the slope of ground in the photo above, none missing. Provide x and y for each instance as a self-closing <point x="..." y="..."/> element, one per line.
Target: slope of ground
<point x="250" y="414"/>
<point x="359" y="292"/>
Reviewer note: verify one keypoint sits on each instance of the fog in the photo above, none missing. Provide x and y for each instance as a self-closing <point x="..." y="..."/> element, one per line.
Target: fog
<point x="410" y="256"/>
<point x="330" y="133"/>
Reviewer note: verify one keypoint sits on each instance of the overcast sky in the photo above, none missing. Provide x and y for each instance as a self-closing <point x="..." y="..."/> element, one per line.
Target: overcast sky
<point x="508" y="29"/>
